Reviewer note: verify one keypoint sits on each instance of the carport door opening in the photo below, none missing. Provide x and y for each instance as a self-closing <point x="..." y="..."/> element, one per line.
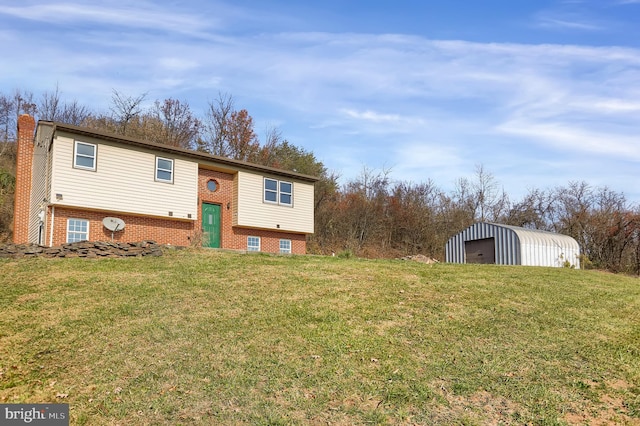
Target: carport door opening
<point x="480" y="251"/>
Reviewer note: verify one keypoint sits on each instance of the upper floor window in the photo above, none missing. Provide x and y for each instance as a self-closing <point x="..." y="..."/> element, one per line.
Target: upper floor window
<point x="270" y="190"/>
<point x="278" y="192"/>
<point x="164" y="169"/>
<point x="286" y="193"/>
<point x="84" y="156"/>
<point x="212" y="185"/>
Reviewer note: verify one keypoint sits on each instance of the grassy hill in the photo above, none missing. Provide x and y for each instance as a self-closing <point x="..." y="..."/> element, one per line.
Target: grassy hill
<point x="208" y="337"/>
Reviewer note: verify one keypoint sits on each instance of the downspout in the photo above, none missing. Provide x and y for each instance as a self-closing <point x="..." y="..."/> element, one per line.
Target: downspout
<point x="53" y="215"/>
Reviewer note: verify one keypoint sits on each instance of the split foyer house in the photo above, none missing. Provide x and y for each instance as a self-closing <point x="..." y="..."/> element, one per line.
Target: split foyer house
<point x="70" y="178"/>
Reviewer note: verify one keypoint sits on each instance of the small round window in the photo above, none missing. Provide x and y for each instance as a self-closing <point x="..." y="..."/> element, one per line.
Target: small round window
<point x="212" y="185"/>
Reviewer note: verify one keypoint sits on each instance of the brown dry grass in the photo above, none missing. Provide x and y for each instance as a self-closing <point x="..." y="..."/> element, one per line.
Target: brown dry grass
<point x="202" y="337"/>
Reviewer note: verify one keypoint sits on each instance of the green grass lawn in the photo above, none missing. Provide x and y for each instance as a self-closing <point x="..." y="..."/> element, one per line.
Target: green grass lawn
<point x="209" y="337"/>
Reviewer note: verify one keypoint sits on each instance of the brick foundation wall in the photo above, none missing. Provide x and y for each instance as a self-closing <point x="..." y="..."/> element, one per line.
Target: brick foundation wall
<point x="24" y="163"/>
<point x="138" y="228"/>
<point x="165" y="231"/>
<point x="270" y="240"/>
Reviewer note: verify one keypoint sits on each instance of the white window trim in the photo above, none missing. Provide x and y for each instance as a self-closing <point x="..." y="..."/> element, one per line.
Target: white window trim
<point x="265" y="190"/>
<point x="76" y="232"/>
<point x="280" y="246"/>
<point x="249" y="248"/>
<point x="76" y="154"/>
<point x="278" y="192"/>
<point x="173" y="166"/>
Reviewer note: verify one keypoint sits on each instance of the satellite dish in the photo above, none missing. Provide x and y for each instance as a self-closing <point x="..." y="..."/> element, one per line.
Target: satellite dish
<point x="113" y="224"/>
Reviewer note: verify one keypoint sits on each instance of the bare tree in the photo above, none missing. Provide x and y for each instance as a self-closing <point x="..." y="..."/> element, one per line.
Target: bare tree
<point x="50" y="107"/>
<point x="6" y="119"/>
<point x="125" y="109"/>
<point x="74" y="113"/>
<point x="268" y="155"/>
<point x="53" y="108"/>
<point x="24" y="104"/>
<point x="459" y="208"/>
<point x="11" y="107"/>
<point x="179" y="126"/>
<point x="534" y="211"/>
<point x="488" y="200"/>
<point x="215" y="131"/>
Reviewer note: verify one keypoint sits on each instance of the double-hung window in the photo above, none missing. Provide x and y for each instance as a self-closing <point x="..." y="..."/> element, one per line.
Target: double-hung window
<point x="164" y="170"/>
<point x="253" y="243"/>
<point x="278" y="192"/>
<point x="84" y="156"/>
<point x="77" y="230"/>
<point x="286" y="193"/>
<point x="270" y="190"/>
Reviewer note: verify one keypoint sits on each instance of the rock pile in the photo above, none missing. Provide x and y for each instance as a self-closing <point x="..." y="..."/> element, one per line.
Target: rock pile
<point x="420" y="258"/>
<point x="83" y="249"/>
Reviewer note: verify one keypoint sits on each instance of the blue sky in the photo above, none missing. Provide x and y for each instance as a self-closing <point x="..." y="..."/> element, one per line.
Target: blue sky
<point x="540" y="93"/>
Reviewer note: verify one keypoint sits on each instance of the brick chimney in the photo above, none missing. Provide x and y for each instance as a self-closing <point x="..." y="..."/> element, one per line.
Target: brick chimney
<point x="24" y="165"/>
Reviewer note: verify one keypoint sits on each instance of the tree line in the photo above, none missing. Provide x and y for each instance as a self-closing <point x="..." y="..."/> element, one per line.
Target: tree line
<point x="371" y="215"/>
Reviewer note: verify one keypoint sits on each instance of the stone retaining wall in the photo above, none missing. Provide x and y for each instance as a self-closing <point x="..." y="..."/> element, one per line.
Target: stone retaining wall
<point x="83" y="249"/>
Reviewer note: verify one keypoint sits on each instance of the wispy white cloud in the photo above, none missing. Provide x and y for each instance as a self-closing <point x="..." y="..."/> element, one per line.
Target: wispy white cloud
<point x="140" y="15"/>
<point x="437" y="159"/>
<point x="574" y="139"/>
<point x="548" y="22"/>
<point x="616" y="105"/>
<point x="606" y="106"/>
<point x="373" y="116"/>
<point x="404" y="101"/>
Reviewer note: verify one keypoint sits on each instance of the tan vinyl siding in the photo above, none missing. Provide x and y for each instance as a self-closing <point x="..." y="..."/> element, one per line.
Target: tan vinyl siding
<point x="39" y="183"/>
<point x="124" y="181"/>
<point x="235" y="199"/>
<point x="254" y="212"/>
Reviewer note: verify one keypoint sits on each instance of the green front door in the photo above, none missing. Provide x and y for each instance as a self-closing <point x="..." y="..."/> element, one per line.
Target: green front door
<point x="210" y="225"/>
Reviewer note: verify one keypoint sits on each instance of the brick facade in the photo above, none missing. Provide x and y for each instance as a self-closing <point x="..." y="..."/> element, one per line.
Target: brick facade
<point x="166" y="231"/>
<point x="24" y="164"/>
<point x="137" y="228"/>
<point x="270" y="240"/>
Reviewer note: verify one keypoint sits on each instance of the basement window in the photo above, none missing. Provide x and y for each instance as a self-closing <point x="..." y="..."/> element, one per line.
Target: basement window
<point x="285" y="246"/>
<point x="77" y="230"/>
<point x="253" y="243"/>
